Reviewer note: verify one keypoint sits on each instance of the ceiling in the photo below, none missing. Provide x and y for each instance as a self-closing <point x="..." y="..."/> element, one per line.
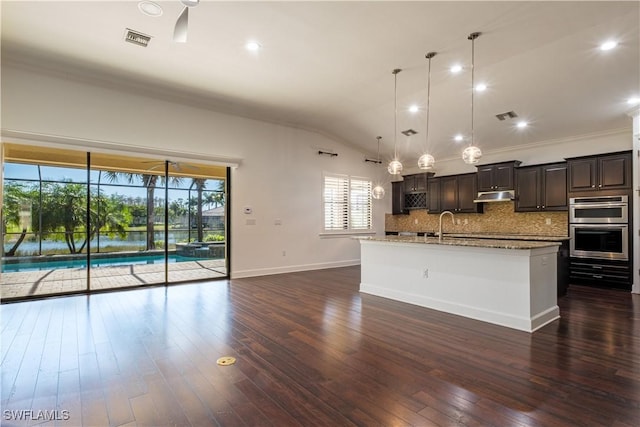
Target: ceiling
<point x="327" y="66"/>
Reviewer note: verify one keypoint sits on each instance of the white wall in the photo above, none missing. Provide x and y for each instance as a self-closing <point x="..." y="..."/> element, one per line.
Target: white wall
<point x="279" y="177"/>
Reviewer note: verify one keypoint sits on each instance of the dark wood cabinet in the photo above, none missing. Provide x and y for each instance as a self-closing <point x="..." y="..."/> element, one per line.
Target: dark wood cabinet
<point x="541" y="188"/>
<point x="457" y="193"/>
<point x="416" y="183"/>
<point x="497" y="176"/>
<point x="433" y="195"/>
<point x="604" y="273"/>
<point x="602" y="172"/>
<point x="397" y="198"/>
<point x="410" y="193"/>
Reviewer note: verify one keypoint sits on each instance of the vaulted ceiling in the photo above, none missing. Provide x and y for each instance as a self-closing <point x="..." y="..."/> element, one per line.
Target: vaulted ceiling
<point x="327" y="66"/>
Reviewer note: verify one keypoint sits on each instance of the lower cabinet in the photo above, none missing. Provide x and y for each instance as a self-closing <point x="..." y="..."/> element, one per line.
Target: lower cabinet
<point x="605" y="273"/>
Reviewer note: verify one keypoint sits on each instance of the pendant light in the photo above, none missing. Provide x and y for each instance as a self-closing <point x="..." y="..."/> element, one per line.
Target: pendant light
<point x="426" y="161"/>
<point x="471" y="155"/>
<point x="378" y="190"/>
<point x="395" y="167"/>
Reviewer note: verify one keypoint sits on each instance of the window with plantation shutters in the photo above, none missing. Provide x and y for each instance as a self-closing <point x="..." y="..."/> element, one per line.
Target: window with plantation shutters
<point x="346" y="203"/>
<point x="359" y="204"/>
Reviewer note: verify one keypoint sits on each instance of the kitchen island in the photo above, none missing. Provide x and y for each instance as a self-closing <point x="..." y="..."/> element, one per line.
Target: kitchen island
<point x="506" y="282"/>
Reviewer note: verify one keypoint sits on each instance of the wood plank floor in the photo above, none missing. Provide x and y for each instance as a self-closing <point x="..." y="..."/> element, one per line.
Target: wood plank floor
<point x="312" y="351"/>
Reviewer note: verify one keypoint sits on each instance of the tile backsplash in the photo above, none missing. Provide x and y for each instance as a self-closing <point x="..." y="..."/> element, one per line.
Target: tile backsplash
<point x="497" y="218"/>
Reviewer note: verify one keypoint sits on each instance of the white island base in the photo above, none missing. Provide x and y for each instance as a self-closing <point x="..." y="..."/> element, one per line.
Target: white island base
<point x="512" y="287"/>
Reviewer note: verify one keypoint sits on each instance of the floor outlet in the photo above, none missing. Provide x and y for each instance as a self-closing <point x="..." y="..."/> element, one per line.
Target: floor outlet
<point x="425" y="273"/>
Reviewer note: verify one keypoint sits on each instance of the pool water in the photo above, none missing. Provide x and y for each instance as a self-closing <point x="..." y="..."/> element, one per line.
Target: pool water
<point x="95" y="262"/>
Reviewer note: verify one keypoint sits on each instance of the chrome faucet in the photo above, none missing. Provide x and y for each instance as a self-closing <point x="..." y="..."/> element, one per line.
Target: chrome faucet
<point x="453" y="221"/>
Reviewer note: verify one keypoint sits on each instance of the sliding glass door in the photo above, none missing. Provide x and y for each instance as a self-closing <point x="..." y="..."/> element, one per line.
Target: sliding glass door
<point x="197" y="226"/>
<point x="76" y="222"/>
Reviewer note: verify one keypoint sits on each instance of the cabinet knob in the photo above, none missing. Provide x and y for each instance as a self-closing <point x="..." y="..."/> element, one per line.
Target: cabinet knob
<point x="600" y="185"/>
<point x="593" y="186"/>
<point x="543" y="206"/>
<point x="538" y="207"/>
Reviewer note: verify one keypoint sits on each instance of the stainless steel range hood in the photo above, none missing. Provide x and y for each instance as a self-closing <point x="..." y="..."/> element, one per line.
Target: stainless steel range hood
<point x="494" y="196"/>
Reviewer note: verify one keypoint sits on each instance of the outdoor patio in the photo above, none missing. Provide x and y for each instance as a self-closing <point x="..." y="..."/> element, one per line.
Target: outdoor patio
<point x="45" y="282"/>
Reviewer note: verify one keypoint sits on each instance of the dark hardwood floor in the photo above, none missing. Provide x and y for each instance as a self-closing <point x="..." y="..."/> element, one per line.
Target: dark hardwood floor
<point x="312" y="351"/>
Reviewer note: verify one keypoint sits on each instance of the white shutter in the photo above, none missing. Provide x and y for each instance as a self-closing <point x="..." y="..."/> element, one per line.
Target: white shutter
<point x="360" y="204"/>
<point x="336" y="203"/>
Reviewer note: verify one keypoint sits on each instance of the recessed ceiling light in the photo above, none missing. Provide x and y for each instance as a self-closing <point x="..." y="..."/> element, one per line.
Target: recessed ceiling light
<point x="633" y="100"/>
<point x="253" y="46"/>
<point x="608" y="45"/>
<point x="414" y="109"/>
<point x="522" y="124"/>
<point x="481" y="87"/>
<point x="458" y="138"/>
<point x="150" y="8"/>
<point x="455" y="69"/>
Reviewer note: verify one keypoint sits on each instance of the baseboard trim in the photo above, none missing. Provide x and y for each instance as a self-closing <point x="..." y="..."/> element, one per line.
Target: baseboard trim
<point x="239" y="274"/>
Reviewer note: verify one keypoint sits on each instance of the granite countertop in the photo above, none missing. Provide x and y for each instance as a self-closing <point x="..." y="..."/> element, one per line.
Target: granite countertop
<point x="499" y="236"/>
<point x="509" y="236"/>
<point x="457" y="241"/>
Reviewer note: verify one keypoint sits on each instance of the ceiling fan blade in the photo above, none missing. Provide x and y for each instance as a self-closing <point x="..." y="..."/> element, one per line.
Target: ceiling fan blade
<point x="180" y="32"/>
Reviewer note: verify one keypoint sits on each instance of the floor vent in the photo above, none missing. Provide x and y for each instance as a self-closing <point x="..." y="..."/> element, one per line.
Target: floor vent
<point x="135" y="37"/>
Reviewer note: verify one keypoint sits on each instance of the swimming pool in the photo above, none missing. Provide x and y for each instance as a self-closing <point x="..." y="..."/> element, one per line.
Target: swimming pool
<point x="95" y="262"/>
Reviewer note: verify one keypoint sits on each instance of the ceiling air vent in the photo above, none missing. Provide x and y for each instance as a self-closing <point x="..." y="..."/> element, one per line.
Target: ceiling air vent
<point x="507" y="115"/>
<point x="135" y="37"/>
<point x="409" y="132"/>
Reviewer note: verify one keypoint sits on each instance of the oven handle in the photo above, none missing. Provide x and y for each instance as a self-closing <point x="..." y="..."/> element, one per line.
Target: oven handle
<point x="608" y="226"/>
<point x="599" y="205"/>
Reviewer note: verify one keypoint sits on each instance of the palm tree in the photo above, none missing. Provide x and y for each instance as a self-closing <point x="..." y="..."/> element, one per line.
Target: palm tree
<point x="15" y="197"/>
<point x="150" y="181"/>
<point x="64" y="206"/>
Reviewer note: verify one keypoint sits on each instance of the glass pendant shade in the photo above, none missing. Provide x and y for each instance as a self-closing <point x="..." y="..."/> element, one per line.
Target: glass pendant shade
<point x="378" y="192"/>
<point x="471" y="155"/>
<point x="395" y="167"/>
<point x="426" y="161"/>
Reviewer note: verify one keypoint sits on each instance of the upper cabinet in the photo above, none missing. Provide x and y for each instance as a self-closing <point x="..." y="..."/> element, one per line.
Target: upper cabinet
<point x="397" y="198"/>
<point x="457" y="193"/>
<point x="433" y="195"/>
<point x="497" y="176"/>
<point x="416" y="183"/>
<point x="410" y="193"/>
<point x="604" y="172"/>
<point x="541" y="188"/>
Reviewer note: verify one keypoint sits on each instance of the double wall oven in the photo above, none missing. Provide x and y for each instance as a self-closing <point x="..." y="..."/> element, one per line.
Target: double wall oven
<point x="599" y="227"/>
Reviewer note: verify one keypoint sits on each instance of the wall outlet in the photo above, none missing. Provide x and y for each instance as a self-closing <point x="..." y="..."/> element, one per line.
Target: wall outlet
<point x="547" y="221"/>
<point x="284" y="253"/>
<point x="415" y="221"/>
<point x="425" y="273"/>
<point x="277" y="222"/>
<point x="466" y="221"/>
